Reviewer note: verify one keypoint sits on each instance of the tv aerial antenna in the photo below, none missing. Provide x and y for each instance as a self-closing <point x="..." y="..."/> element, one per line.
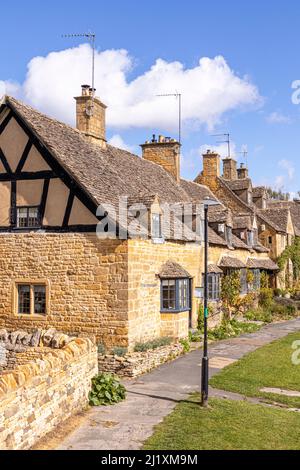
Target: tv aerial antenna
<point x="91" y="38"/>
<point x="179" y="97"/>
<point x="244" y="152"/>
<point x="226" y="140"/>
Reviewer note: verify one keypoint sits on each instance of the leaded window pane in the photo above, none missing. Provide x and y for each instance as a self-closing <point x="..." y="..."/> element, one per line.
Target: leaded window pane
<point x="28" y="217"/>
<point x="39" y="299"/>
<point x="175" y="294"/>
<point x="24" y="299"/>
<point x="243" y="279"/>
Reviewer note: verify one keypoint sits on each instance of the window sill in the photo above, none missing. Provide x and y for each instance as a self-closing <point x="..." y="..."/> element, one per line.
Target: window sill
<point x="158" y="241"/>
<point x="31" y="316"/>
<point x="175" y="311"/>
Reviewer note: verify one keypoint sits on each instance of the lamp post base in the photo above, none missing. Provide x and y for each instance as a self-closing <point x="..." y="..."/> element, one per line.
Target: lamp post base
<point x="204" y="382"/>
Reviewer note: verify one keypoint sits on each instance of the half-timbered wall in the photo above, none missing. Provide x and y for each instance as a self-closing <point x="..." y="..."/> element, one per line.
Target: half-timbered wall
<point x="28" y="179"/>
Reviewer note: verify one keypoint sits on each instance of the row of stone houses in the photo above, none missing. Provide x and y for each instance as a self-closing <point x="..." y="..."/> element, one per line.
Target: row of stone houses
<point x="85" y="246"/>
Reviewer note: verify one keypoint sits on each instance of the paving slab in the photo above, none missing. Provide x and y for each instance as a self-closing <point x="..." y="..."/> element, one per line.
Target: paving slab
<point x="153" y="396"/>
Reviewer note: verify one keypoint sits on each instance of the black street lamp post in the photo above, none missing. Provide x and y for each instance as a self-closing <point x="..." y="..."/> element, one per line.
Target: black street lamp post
<point x="205" y="361"/>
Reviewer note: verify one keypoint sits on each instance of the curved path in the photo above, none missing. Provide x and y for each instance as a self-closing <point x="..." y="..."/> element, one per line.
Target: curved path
<point x="153" y="396"/>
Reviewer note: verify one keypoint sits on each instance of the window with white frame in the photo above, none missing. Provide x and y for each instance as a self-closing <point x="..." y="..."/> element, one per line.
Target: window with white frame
<point x="175" y="295"/>
<point x="31" y="299"/>
<point x="28" y="217"/>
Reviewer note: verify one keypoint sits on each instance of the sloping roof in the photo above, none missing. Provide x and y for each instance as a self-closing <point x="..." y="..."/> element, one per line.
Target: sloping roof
<point x="105" y="174"/>
<point x="238" y="243"/>
<point x="217" y="214"/>
<point x="249" y="209"/>
<point x="197" y="192"/>
<point x="260" y="248"/>
<point x="277" y="216"/>
<point x="294" y="207"/>
<point x="242" y="221"/>
<point x="215" y="239"/>
<point x="266" y="264"/>
<point x="173" y="270"/>
<point x="239" y="184"/>
<point x="214" y="269"/>
<point x="230" y="262"/>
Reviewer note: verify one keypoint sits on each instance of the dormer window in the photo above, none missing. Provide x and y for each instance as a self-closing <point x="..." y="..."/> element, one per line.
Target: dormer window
<point x="28" y="217"/>
<point x="156" y="226"/>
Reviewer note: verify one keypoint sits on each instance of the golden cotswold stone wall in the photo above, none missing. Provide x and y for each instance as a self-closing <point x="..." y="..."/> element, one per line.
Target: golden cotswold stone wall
<point x="165" y="154"/>
<point x="86" y="278"/>
<point x="37" y="396"/>
<point x="145" y="261"/>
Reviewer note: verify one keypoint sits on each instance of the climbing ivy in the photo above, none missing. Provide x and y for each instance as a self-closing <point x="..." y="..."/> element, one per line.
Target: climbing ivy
<point x="291" y="253"/>
<point x="230" y="292"/>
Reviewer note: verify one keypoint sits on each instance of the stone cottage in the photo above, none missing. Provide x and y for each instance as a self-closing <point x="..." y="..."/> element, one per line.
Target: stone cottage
<point x="55" y="270"/>
<point x="93" y="239"/>
<point x="261" y="228"/>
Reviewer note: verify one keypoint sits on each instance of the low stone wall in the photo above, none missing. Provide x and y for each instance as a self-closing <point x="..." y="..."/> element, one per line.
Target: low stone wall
<point x="138" y="363"/>
<point x="50" y="386"/>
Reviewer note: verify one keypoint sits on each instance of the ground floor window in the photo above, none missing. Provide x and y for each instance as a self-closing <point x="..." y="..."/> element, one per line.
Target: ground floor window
<point x="175" y="295"/>
<point x="256" y="279"/>
<point x="244" y="281"/>
<point x="214" y="287"/>
<point x="31" y="299"/>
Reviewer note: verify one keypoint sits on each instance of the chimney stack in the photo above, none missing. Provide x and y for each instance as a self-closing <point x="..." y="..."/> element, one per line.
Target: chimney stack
<point x="230" y="169"/>
<point x="165" y="152"/>
<point x="242" y="172"/>
<point x="90" y="116"/>
<point x="211" y="164"/>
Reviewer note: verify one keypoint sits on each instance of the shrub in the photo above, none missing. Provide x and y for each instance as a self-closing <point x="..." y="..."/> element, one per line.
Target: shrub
<point x="231" y="328"/>
<point x="106" y="390"/>
<point x="195" y="337"/>
<point x="186" y="345"/>
<point x="265" y="297"/>
<point x="119" y="351"/>
<point x="259" y="315"/>
<point x="101" y="349"/>
<point x="154" y="344"/>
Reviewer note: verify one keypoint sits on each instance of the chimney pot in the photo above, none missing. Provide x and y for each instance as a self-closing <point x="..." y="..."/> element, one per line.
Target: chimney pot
<point x="85" y="90"/>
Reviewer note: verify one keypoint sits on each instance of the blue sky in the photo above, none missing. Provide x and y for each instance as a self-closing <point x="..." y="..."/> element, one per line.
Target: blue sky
<point x="258" y="43"/>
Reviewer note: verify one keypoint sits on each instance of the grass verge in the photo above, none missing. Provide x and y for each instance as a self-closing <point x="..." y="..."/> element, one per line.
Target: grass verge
<point x="226" y="425"/>
<point x="269" y="366"/>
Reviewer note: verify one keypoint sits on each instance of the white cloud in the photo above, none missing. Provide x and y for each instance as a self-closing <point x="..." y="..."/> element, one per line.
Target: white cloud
<point x="117" y="141"/>
<point x="210" y="89"/>
<point x="289" y="167"/>
<point x="279" y="183"/>
<point x="8" y="87"/>
<point x="221" y="149"/>
<point x="278" y="118"/>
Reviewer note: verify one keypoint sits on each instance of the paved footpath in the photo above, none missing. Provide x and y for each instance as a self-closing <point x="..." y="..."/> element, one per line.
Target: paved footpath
<point x="153" y="396"/>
